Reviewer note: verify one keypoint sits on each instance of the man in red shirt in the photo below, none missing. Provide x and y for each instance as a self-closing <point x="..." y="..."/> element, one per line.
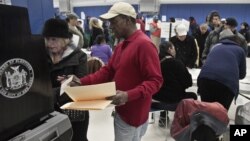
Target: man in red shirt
<point x="155" y="32"/>
<point x="135" y="68"/>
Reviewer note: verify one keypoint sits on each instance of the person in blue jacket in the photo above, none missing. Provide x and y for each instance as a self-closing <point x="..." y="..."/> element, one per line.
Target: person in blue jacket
<point x="218" y="80"/>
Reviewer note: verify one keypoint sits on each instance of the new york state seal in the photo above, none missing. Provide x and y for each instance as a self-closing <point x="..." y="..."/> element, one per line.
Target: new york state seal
<point x="16" y="78"/>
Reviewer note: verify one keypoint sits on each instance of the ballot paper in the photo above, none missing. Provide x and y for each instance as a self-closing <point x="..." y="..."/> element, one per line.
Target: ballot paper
<point x="65" y="84"/>
<point x="90" y="97"/>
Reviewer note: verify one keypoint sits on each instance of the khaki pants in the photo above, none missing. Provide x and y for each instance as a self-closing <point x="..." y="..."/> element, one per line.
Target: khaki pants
<point x="125" y="132"/>
<point x="156" y="41"/>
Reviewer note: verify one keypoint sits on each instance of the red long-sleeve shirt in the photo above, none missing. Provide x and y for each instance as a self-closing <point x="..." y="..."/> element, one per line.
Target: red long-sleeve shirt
<point x="135" y="68"/>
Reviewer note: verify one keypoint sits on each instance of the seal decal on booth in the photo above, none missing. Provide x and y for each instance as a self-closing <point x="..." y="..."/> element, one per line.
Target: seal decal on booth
<point x="16" y="78"/>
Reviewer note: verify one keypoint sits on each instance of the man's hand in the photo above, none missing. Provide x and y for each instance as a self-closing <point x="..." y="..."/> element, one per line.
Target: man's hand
<point x="120" y="98"/>
<point x="75" y="80"/>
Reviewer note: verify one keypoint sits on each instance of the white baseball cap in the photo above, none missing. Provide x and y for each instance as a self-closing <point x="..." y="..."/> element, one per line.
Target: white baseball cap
<point x="120" y="8"/>
<point x="181" y="29"/>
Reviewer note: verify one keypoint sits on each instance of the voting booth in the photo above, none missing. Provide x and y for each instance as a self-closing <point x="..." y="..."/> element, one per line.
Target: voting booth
<point x="26" y="100"/>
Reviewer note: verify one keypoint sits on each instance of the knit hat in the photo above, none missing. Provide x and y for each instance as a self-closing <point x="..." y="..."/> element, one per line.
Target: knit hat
<point x="226" y="33"/>
<point x="231" y="22"/>
<point x="56" y="28"/>
<point x="181" y="30"/>
<point x="120" y="8"/>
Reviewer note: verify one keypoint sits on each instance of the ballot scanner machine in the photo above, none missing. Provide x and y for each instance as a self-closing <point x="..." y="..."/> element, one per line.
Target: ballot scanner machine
<point x="26" y="99"/>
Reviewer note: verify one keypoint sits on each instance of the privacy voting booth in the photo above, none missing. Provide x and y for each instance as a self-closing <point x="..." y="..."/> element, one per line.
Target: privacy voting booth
<point x="26" y="100"/>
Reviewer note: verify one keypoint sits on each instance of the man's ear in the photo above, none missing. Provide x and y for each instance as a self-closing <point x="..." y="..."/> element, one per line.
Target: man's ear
<point x="128" y="20"/>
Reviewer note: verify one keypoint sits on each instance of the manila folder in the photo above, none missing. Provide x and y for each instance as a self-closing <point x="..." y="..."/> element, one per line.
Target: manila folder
<point x="90" y="97"/>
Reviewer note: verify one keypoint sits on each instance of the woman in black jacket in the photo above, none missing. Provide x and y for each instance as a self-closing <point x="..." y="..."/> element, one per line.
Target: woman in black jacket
<point x="176" y="78"/>
<point x="65" y="59"/>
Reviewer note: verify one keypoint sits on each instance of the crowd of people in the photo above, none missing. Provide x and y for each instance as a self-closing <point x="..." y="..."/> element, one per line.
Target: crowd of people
<point x="145" y="67"/>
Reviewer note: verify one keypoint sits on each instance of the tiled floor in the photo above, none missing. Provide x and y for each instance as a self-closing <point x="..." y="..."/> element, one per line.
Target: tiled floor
<point x="101" y="122"/>
<point x="101" y="128"/>
<point x="101" y="125"/>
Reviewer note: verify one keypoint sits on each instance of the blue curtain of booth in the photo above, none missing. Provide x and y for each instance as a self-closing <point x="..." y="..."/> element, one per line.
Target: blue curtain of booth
<point x="39" y="12"/>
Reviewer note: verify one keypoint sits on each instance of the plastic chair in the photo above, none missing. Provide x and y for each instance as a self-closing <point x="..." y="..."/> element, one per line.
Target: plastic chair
<point x="160" y="106"/>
